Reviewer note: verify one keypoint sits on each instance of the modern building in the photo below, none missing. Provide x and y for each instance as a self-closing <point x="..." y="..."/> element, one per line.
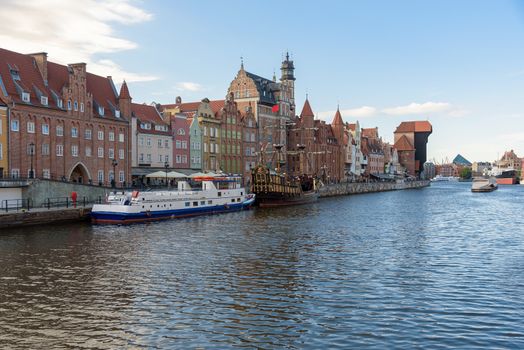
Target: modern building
<point x="64" y="123"/>
<point x="411" y="139"/>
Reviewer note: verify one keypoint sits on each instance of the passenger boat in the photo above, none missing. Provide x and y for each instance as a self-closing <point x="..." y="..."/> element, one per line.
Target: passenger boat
<point x="276" y="189"/>
<point x="440" y="178"/>
<point x="484" y="185"/>
<point x="507" y="177"/>
<point x="215" y="195"/>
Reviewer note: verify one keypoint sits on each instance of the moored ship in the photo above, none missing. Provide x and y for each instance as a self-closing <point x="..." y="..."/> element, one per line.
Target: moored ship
<point x="507" y="177"/>
<point x="216" y="195"/>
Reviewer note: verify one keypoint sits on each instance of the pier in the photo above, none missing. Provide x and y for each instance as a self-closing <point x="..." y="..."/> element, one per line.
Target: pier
<point x="347" y="188"/>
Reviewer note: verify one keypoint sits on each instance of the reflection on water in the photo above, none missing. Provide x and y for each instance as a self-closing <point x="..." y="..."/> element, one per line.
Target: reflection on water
<point x="420" y="268"/>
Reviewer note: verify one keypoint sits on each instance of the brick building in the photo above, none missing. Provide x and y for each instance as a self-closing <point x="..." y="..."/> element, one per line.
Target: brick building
<point x="411" y="139"/>
<point x="231" y="137"/>
<point x="3" y="141"/>
<point x="64" y="123"/>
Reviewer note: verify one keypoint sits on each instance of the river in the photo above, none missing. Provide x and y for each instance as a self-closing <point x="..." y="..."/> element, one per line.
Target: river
<point x="438" y="267"/>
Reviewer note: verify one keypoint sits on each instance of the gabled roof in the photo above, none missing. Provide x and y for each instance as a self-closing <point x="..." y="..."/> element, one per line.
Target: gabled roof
<point x="370" y="132"/>
<point x="306" y="110"/>
<point x="403" y="144"/>
<point x="337" y="120"/>
<point x="415" y="126"/>
<point x="352" y="126"/>
<point x="146" y="113"/>
<point x="190" y="108"/>
<point x="265" y="88"/>
<point x="124" y="91"/>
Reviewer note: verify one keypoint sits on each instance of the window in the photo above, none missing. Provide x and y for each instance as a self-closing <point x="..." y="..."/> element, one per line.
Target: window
<point x="121" y="153"/>
<point x="76" y="106"/>
<point x="101" y="111"/>
<point x="111" y="136"/>
<point x="140" y="141"/>
<point x="178" y="144"/>
<point x="195" y="204"/>
<point x="88" y="134"/>
<point x="15" y="173"/>
<point x="74" y="150"/>
<point x="110" y="176"/>
<point x="205" y="146"/>
<point x="121" y="176"/>
<point x="148" y="142"/>
<point x="149" y="157"/>
<point x="159" y="143"/>
<point x="68" y="105"/>
<point x="100" y="135"/>
<point x="82" y="107"/>
<point x="187" y="204"/>
<point x="100" y="152"/>
<point x="45" y="129"/>
<point x="181" y="132"/>
<point x="121" y="138"/>
<point x="160" y="158"/>
<point x="166" y="158"/>
<point x="100" y="176"/>
<point x="198" y="145"/>
<point x="43" y="100"/>
<point x="178" y="159"/>
<point x="59" y="130"/>
<point x="166" y="143"/>
<point x="184" y="158"/>
<point x="59" y="150"/>
<point x="31" y="127"/>
<point x="117" y="113"/>
<point x="45" y="149"/>
<point x="14" y="125"/>
<point x="46" y="173"/>
<point x="60" y="103"/>
<point x="88" y="151"/>
<point x="184" y="144"/>
<point x="74" y="132"/>
<point x="141" y="157"/>
<point x="26" y="97"/>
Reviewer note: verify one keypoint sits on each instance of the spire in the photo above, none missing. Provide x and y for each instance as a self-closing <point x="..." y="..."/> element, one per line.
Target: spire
<point x="306" y="110"/>
<point x="338" y="118"/>
<point x="124" y="92"/>
<point x="241" y="63"/>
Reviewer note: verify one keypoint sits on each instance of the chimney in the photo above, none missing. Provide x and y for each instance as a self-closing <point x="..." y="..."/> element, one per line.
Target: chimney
<point x="41" y="62"/>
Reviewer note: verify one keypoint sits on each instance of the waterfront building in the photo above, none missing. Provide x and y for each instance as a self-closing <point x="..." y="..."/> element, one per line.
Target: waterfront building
<point x="180" y="130"/>
<point x="509" y="160"/>
<point x="231" y="129"/>
<point x="272" y="102"/>
<point x="373" y="150"/>
<point x="3" y="140"/>
<point x="338" y="128"/>
<point x="151" y="140"/>
<point x="195" y="141"/>
<point x="411" y="139"/>
<point x="359" y="161"/>
<point x="429" y="170"/>
<point x="64" y="122"/>
<point x="461" y="161"/>
<point x="479" y="168"/>
<point x="249" y="144"/>
<point x="301" y="138"/>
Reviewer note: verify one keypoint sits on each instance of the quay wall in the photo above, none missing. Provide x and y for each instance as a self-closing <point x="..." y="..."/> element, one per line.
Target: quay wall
<point x="39" y="190"/>
<point x="43" y="217"/>
<point x="342" y="189"/>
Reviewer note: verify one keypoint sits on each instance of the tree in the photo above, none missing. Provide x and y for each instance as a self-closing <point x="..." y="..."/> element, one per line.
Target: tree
<point x="465" y="173"/>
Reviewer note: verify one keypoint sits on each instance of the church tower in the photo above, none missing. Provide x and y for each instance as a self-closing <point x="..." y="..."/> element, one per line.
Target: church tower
<point x="288" y="86"/>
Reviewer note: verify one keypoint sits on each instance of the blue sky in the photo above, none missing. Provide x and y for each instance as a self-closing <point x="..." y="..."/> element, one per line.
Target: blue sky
<point x="459" y="64"/>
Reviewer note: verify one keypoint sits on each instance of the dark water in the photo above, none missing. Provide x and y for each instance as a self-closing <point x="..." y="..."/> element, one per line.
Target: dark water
<point x="434" y="268"/>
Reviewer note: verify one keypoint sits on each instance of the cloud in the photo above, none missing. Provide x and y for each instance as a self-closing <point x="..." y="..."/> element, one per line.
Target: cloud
<point x="188" y="86"/>
<point x="72" y="31"/>
<point x="418" y="108"/>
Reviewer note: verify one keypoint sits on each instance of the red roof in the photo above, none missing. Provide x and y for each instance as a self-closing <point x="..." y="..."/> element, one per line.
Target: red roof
<point x="146" y="113"/>
<point x="337" y="120"/>
<point x="124" y="91"/>
<point x="306" y="110"/>
<point x="403" y="144"/>
<point x="415" y="126"/>
<point x="189" y="108"/>
<point x="370" y="132"/>
<point x="352" y="126"/>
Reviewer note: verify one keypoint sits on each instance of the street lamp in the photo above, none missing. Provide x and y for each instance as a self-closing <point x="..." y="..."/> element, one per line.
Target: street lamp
<point x="166" y="165"/>
<point x="31" y="153"/>
<point x="114" y="163"/>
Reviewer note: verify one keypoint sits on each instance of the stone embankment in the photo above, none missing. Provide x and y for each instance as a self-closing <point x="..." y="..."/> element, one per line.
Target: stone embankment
<point x="342" y="189"/>
<point x="42" y="216"/>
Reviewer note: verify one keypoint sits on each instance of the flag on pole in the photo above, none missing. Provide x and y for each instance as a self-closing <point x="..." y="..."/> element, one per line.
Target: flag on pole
<point x="275" y="108"/>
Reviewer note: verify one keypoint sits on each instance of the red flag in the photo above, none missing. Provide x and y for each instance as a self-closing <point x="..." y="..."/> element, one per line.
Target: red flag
<point x="275" y="108"/>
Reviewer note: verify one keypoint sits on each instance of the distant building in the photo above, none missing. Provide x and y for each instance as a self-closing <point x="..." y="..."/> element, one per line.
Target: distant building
<point x="461" y="161"/>
<point x="411" y="139"/>
<point x="429" y="170"/>
<point x="3" y="141"/>
<point x="479" y="168"/>
<point x="509" y="161"/>
<point x="181" y="140"/>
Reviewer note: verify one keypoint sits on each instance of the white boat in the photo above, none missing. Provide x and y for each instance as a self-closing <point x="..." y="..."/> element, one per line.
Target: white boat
<point x="481" y="184"/>
<point x="216" y="195"/>
<point x="444" y="178"/>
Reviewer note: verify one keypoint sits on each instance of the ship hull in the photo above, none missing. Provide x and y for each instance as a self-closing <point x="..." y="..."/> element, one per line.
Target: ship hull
<point x="506" y="180"/>
<point x="271" y="200"/>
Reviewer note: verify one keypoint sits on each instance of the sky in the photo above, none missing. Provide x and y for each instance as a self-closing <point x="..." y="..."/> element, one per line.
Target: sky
<point x="458" y="64"/>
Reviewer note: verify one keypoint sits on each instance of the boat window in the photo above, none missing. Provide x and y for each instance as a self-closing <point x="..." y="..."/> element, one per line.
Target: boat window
<point x="143" y="206"/>
<point x="202" y="202"/>
<point x="209" y="202"/>
<point x="233" y="200"/>
<point x="187" y="204"/>
<point x="195" y="204"/>
<point x="238" y="199"/>
<point x="220" y="194"/>
<point x="143" y="199"/>
<point x="241" y="193"/>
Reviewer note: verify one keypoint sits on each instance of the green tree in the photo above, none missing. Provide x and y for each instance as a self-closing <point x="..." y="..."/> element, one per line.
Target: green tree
<point x="465" y="173"/>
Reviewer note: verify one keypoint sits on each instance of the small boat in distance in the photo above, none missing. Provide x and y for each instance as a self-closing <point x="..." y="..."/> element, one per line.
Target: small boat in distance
<point x="217" y="195"/>
<point x="484" y="184"/>
<point x="440" y="178"/>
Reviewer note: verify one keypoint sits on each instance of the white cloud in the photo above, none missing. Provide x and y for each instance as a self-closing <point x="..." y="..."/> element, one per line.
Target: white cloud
<point x="418" y="108"/>
<point x="188" y="86"/>
<point x="72" y="31"/>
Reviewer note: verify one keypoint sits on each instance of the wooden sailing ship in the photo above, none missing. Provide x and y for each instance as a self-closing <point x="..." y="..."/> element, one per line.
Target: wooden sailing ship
<point x="275" y="188"/>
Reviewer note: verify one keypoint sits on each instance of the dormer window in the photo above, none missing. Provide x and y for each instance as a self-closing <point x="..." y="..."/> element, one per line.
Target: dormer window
<point x="101" y="111"/>
<point x="117" y="114"/>
<point x="26" y="97"/>
<point x="60" y="103"/>
<point x="43" y="100"/>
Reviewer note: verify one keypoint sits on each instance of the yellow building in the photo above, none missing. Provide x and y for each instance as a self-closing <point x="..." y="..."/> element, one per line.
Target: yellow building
<point x="210" y="126"/>
<point x="3" y="141"/>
